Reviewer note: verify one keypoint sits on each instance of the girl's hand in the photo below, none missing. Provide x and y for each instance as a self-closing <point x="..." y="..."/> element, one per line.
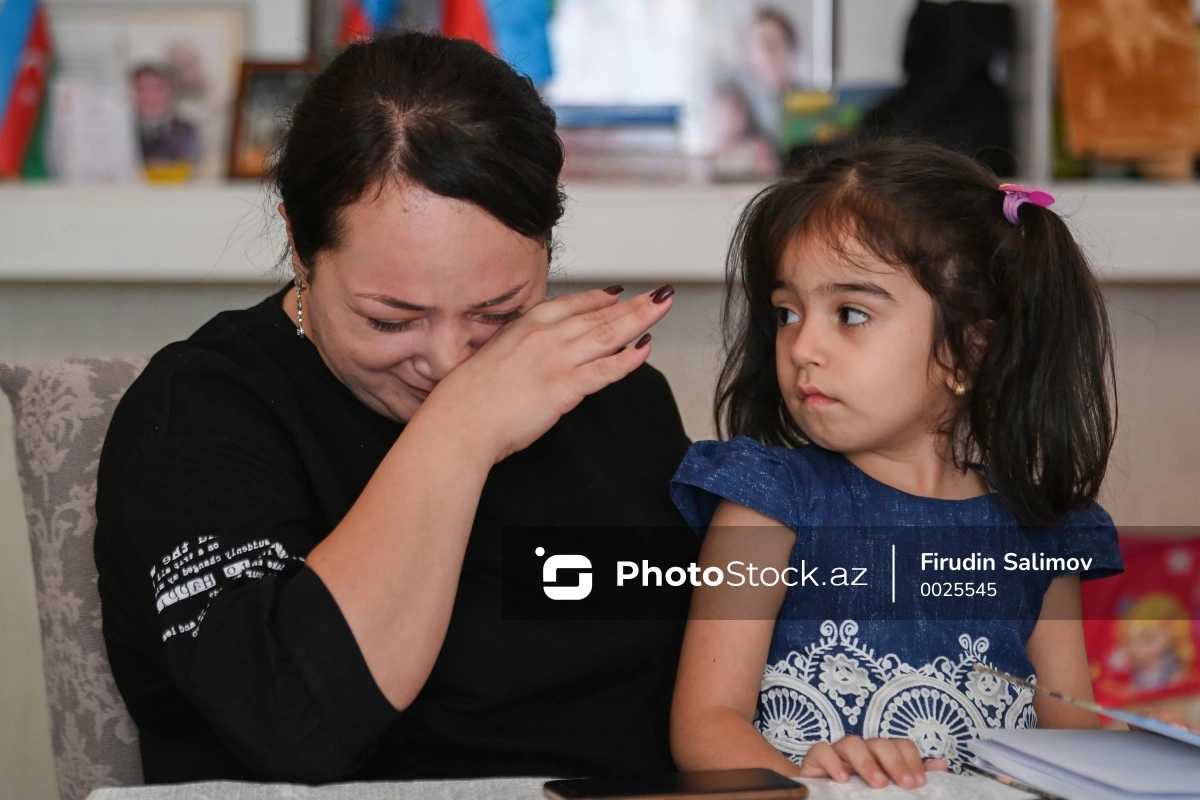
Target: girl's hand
<point x="542" y="365"/>
<point x="874" y="760"/>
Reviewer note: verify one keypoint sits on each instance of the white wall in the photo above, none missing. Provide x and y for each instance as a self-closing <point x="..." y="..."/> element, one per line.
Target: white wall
<point x="870" y="40"/>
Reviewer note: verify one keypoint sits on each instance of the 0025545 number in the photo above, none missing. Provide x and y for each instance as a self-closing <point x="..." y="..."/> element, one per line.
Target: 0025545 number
<point x="958" y="589"/>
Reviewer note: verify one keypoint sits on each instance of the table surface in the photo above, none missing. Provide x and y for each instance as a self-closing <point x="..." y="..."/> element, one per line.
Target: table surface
<point x="939" y="787"/>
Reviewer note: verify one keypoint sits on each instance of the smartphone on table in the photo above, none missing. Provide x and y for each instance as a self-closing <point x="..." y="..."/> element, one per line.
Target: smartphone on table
<point x="723" y="784"/>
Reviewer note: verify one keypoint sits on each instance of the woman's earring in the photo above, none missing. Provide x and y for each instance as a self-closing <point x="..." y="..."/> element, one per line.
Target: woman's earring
<point x="959" y="389"/>
<point x="300" y="309"/>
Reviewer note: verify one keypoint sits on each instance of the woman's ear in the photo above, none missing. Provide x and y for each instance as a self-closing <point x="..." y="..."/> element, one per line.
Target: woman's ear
<point x="298" y="267"/>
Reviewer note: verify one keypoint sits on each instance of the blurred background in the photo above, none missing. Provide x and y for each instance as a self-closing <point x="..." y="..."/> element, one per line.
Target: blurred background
<point x="134" y="135"/>
<point x="197" y="91"/>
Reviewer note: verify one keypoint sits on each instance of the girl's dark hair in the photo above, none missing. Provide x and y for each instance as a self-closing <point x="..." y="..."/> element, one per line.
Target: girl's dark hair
<point x="441" y="113"/>
<point x="1017" y="312"/>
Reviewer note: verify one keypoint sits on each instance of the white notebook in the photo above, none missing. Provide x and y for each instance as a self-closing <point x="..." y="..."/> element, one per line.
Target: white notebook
<point x="1094" y="764"/>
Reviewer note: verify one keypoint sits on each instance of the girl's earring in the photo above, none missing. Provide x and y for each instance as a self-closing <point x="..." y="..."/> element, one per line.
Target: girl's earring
<point x="300" y="309"/>
<point x="960" y="389"/>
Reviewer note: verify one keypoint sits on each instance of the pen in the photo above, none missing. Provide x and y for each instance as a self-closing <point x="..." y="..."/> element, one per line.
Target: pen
<point x="1148" y="724"/>
<point x="1015" y="784"/>
<point x="1088" y="704"/>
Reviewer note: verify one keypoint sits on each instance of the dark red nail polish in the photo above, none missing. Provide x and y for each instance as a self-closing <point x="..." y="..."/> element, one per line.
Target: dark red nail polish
<point x="616" y="288"/>
<point x="642" y="342"/>
<point x="663" y="293"/>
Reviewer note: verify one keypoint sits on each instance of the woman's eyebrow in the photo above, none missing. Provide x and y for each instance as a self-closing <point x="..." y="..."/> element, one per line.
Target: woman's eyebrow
<point x="391" y="301"/>
<point x="504" y="298"/>
<point x="403" y="305"/>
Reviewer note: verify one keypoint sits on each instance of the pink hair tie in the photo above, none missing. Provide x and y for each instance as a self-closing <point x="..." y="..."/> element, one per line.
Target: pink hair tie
<point x="1015" y="194"/>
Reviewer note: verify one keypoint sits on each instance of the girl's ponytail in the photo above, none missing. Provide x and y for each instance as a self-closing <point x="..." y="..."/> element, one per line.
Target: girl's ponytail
<point x="1043" y="406"/>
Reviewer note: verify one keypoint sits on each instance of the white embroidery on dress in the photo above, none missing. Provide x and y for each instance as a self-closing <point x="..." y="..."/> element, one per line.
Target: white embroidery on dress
<point x="819" y="694"/>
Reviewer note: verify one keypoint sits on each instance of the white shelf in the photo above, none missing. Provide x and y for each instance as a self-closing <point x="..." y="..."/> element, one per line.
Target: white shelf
<point x="230" y="234"/>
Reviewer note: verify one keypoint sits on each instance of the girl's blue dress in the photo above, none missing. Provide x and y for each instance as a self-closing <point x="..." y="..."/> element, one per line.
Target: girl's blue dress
<point x="844" y="660"/>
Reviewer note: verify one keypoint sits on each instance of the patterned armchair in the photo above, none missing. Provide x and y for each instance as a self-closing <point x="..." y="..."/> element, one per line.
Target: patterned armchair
<point x="61" y="410"/>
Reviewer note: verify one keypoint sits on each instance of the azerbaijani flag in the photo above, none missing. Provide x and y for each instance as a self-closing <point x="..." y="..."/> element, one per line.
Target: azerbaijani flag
<point x="516" y="30"/>
<point x="362" y="19"/>
<point x="24" y="63"/>
<point x="16" y="22"/>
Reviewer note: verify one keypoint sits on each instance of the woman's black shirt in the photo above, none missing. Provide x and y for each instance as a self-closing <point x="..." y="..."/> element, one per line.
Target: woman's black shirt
<point x="234" y="454"/>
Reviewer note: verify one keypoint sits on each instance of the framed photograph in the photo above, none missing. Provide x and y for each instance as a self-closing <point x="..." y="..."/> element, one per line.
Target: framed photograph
<point x="267" y="92"/>
<point x="179" y="65"/>
<point x="757" y="54"/>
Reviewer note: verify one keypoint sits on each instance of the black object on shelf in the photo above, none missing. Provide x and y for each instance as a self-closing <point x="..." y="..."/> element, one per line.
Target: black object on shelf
<point x="957" y="65"/>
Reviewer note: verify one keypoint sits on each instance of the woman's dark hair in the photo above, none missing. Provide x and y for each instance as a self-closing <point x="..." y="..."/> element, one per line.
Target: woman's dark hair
<point x="1018" y="313"/>
<point x="416" y="107"/>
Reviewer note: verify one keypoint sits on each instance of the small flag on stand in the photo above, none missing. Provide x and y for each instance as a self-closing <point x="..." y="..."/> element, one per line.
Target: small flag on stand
<point x="16" y="27"/>
<point x="516" y="30"/>
<point x="36" y="165"/>
<point x="362" y="19"/>
<point x="468" y="19"/>
<point x="25" y="100"/>
<point x="16" y="22"/>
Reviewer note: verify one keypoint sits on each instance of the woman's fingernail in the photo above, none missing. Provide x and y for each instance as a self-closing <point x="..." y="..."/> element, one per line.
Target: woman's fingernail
<point x="616" y="288"/>
<point x="906" y="780"/>
<point x="642" y="342"/>
<point x="662" y="294"/>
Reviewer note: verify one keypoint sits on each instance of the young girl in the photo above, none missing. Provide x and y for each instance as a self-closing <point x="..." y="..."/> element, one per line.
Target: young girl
<point x="921" y="354"/>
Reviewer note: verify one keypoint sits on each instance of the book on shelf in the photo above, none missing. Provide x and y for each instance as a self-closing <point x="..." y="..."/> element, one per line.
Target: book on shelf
<point x="628" y="153"/>
<point x="615" y="116"/>
<point x="1139" y="627"/>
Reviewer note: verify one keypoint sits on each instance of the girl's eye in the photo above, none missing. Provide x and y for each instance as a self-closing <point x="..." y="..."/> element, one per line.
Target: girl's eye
<point x="500" y="319"/>
<point x="787" y="316"/>
<point x="852" y="316"/>
<point x="389" y="327"/>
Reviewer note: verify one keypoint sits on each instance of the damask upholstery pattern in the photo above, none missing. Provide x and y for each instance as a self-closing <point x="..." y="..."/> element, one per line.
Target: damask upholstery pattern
<point x="61" y="410"/>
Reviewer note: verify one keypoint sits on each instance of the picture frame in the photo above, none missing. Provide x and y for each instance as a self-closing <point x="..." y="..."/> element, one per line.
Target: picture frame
<point x="267" y="90"/>
<point x="178" y="64"/>
<point x="758" y="55"/>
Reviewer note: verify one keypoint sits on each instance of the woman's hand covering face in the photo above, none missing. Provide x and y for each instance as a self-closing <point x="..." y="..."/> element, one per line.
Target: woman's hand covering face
<point x="422" y="286"/>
